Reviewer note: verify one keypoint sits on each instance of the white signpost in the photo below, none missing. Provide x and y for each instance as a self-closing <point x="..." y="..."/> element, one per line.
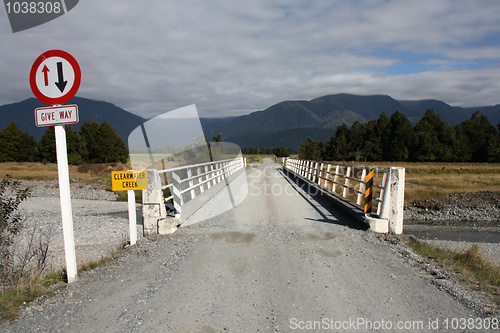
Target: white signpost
<point x="54" y="79"/>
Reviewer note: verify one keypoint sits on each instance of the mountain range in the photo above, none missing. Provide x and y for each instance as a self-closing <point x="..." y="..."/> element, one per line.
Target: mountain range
<point x="23" y="114"/>
<point x="285" y="124"/>
<point x="288" y="123"/>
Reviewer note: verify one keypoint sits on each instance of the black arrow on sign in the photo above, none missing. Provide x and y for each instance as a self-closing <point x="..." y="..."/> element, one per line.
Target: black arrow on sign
<point x="61" y="84"/>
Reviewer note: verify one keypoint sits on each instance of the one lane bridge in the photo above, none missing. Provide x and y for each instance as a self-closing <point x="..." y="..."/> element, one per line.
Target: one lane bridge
<point x="281" y="260"/>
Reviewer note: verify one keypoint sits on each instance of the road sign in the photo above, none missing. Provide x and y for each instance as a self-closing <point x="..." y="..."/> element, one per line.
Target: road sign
<point x="55" y="77"/>
<point x="129" y="180"/>
<point x="56" y="115"/>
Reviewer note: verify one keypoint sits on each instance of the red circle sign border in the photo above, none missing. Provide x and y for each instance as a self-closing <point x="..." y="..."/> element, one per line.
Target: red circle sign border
<point x="66" y="97"/>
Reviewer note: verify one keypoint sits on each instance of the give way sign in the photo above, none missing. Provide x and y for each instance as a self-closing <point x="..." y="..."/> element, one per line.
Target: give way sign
<point x="55" y="77"/>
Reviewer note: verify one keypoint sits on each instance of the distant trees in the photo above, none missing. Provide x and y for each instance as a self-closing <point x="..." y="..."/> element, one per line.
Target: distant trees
<point x="401" y="138"/>
<point x="434" y="139"/>
<point x="396" y="139"/>
<point x="47" y="146"/>
<point x="279" y="151"/>
<point x="494" y="147"/>
<point x="96" y="143"/>
<point x="474" y="138"/>
<point x="282" y="152"/>
<point x="101" y="144"/>
<point x="311" y="150"/>
<point x="16" y="145"/>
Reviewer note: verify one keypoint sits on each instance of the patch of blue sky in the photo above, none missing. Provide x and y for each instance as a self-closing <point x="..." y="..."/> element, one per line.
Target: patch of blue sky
<point x="406" y="68"/>
<point x="489" y="40"/>
<point x="406" y="63"/>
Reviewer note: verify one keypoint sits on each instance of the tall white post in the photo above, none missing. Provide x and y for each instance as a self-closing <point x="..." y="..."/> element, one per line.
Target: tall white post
<point x="397" y="198"/>
<point x="132" y="216"/>
<point x="65" y="196"/>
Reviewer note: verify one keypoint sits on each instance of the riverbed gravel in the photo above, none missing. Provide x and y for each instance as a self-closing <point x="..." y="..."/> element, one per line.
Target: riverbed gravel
<point x="479" y="209"/>
<point x="459" y="212"/>
<point x="100" y="223"/>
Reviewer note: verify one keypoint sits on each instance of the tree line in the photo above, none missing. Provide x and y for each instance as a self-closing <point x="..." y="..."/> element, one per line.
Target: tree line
<point x="396" y="139"/>
<point x="278" y="151"/>
<point x="93" y="143"/>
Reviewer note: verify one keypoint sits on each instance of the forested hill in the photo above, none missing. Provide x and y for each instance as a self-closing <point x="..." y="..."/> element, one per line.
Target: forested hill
<point x="23" y="114"/>
<point x="285" y="124"/>
<point x="290" y="122"/>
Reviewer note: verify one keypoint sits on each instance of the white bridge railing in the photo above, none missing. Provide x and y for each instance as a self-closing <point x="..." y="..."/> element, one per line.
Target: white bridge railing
<point x="385" y="189"/>
<point x="185" y="184"/>
<point x="188" y="182"/>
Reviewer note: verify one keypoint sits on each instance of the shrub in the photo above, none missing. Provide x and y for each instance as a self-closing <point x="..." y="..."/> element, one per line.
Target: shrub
<point x="11" y="222"/>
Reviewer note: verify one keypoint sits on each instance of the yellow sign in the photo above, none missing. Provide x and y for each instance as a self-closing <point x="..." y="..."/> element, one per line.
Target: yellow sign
<point x="129" y="180"/>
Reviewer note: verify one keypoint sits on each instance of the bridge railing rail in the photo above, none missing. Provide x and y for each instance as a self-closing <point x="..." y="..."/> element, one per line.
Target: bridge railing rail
<point x="188" y="182"/>
<point x="385" y="186"/>
<point x="185" y="184"/>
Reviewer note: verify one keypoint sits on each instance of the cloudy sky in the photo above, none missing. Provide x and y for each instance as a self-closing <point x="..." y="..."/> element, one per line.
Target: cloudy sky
<point x="234" y="57"/>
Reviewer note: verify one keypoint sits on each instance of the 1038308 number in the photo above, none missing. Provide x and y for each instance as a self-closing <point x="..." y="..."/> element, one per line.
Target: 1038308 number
<point x="33" y="7"/>
<point x="483" y="324"/>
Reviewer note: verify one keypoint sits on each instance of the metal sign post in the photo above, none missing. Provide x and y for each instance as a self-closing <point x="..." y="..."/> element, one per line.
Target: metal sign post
<point x="129" y="181"/>
<point x="54" y="79"/>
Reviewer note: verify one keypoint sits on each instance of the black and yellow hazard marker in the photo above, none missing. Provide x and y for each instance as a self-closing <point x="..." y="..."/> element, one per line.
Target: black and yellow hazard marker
<point x="369" y="191"/>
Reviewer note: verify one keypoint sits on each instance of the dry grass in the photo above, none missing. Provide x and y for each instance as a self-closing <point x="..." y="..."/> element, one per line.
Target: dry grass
<point x="13" y="298"/>
<point x="86" y="173"/>
<point x="253" y="158"/>
<point x="438" y="180"/>
<point x="423" y="180"/>
<point x="471" y="264"/>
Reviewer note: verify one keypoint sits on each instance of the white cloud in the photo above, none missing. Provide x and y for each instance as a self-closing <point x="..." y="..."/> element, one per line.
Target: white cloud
<point x="234" y="57"/>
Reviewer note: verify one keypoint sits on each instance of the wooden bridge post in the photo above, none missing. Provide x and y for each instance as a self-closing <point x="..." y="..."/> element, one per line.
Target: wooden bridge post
<point x="176" y="192"/>
<point x="362" y="188"/>
<point x="345" y="192"/>
<point x="335" y="178"/>
<point x="200" y="179"/>
<point x="191" y="183"/>
<point x="327" y="175"/>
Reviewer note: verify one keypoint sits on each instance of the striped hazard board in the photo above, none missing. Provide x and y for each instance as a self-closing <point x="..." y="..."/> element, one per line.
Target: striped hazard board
<point x="369" y="191"/>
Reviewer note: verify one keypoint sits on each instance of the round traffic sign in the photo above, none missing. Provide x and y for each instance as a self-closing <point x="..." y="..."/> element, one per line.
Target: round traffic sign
<point x="55" y="77"/>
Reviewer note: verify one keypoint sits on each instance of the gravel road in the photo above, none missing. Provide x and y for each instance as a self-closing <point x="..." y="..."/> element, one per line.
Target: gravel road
<point x="279" y="261"/>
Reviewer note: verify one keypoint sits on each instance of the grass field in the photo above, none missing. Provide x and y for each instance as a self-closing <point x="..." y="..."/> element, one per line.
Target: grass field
<point x="438" y="180"/>
<point x="423" y="180"/>
<point x="87" y="173"/>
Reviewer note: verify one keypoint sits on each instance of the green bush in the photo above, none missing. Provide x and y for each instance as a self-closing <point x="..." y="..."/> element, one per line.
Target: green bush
<point x="11" y="222"/>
